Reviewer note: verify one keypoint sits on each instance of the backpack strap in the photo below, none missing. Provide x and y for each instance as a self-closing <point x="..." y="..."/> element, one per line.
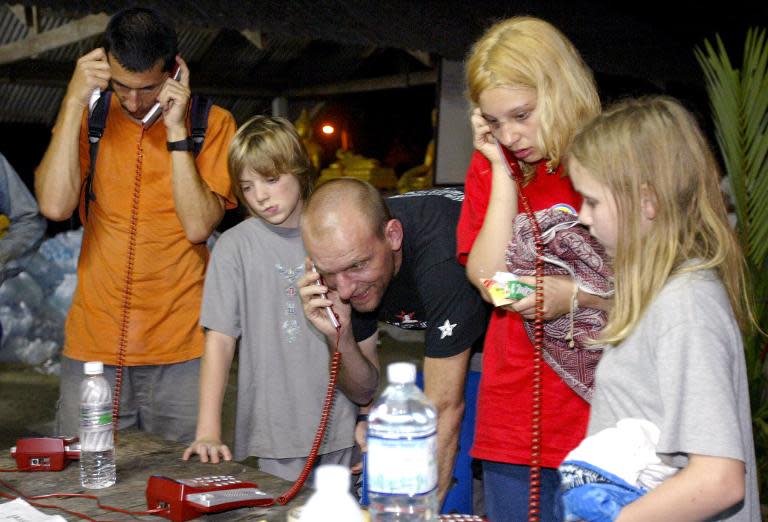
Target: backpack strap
<point x="201" y="106"/>
<point x="97" y="120"/>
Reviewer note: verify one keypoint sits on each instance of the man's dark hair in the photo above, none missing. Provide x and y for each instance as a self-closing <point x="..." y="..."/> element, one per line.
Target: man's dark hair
<point x="138" y="37"/>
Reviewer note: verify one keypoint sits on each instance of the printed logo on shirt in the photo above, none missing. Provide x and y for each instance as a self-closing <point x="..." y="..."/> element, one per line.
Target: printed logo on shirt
<point x="407" y="321"/>
<point x="448" y="192"/>
<point x="565" y="207"/>
<point x="406" y="317"/>
<point x="289" y="324"/>
<point x="290" y="273"/>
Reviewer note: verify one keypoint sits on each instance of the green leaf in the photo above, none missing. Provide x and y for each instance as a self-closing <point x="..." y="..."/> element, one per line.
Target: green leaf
<point x="739" y="104"/>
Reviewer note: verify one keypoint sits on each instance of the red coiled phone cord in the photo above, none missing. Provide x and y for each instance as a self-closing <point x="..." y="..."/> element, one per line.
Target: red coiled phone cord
<point x="320" y="433"/>
<point x="125" y="305"/>
<point x="534" y="492"/>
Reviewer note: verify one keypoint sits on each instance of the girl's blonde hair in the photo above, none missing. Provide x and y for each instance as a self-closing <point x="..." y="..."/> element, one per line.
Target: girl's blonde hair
<point x="653" y="148"/>
<point x="269" y="146"/>
<point x="529" y="52"/>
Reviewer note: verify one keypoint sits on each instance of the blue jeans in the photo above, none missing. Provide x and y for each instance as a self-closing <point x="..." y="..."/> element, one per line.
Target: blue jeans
<point x="506" y="492"/>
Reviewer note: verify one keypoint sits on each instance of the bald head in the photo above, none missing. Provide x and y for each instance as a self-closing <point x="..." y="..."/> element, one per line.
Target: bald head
<point x="340" y="203"/>
<point x="352" y="240"/>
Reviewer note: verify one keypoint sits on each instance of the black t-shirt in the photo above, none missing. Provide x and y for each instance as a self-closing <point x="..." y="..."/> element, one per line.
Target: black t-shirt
<point x="431" y="290"/>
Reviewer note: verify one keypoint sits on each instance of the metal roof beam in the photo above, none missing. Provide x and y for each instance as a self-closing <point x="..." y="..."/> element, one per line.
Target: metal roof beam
<point x="398" y="81"/>
<point x="63" y="35"/>
<point x="422" y="57"/>
<point x="27" y="15"/>
<point x="255" y="37"/>
<point x="41" y="73"/>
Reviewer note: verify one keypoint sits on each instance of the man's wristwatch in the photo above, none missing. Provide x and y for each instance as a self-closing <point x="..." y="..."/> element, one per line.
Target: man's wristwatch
<point x="185" y="145"/>
<point x="361" y="417"/>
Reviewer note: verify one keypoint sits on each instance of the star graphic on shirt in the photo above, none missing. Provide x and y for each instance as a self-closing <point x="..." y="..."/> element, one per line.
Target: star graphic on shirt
<point x="446" y="329"/>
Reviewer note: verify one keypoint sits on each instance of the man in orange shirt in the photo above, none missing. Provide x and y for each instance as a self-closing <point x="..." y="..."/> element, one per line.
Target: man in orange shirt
<point x="152" y="205"/>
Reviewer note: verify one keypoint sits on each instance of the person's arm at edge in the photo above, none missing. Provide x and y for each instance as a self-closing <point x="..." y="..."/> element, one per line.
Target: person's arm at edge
<point x="487" y="254"/>
<point x="368" y="348"/>
<point x="27" y="226"/>
<point x="444" y="380"/>
<point x="361" y="434"/>
<point x="587" y="300"/>
<point x="473" y="210"/>
<point x="558" y="295"/>
<point x="359" y="376"/>
<point x="198" y="208"/>
<point x="214" y="374"/>
<point x="58" y="178"/>
<point x="705" y="487"/>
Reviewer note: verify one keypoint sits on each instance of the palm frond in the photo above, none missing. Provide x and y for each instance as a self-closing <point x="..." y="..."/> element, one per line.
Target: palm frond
<point x="739" y="104"/>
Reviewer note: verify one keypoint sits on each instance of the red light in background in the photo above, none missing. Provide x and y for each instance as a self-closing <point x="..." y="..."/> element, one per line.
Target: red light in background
<point x="328" y="129"/>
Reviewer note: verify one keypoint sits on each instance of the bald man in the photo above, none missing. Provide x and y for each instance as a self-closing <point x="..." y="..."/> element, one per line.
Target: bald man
<point x="395" y="262"/>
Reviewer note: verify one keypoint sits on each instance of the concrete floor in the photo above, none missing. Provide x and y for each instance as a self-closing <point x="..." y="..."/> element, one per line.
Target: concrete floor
<point x="27" y="402"/>
<point x="28" y="398"/>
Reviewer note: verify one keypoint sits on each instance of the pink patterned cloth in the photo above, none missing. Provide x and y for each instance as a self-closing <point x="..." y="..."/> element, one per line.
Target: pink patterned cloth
<point x="570" y="250"/>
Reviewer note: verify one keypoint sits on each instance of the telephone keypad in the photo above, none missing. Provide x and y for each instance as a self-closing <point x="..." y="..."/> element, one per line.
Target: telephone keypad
<point x="211" y="481"/>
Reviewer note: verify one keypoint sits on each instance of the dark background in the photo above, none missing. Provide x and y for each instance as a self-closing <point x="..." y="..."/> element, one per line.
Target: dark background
<point x="634" y="48"/>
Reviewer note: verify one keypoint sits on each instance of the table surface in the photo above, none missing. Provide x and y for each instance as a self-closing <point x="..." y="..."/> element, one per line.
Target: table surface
<point x="140" y="455"/>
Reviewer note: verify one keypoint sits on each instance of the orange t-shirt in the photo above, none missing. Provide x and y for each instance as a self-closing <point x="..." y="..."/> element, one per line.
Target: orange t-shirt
<point x="140" y="281"/>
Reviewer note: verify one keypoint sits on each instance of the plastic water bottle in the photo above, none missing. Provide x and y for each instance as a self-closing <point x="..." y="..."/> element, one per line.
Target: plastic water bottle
<point x="97" y="444"/>
<point x="331" y="499"/>
<point x="401" y="463"/>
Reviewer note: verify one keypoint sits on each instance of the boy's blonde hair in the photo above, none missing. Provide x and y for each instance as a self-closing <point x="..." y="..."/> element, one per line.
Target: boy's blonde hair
<point x="269" y="146"/>
<point x="529" y="52"/>
<point x="653" y="148"/>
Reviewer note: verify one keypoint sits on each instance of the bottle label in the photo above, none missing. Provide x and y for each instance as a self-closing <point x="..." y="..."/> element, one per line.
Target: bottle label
<point x="96" y="428"/>
<point x="402" y="466"/>
<point x="91" y="417"/>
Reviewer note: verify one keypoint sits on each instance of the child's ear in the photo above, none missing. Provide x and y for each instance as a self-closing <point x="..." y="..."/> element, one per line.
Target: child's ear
<point x="648" y="202"/>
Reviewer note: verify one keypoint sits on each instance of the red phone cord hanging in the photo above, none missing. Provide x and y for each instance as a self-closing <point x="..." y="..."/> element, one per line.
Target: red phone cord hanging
<point x="534" y="492"/>
<point x="125" y="305"/>
<point x="320" y="434"/>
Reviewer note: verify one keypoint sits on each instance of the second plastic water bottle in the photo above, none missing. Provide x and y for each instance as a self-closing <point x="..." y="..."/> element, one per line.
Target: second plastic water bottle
<point x="97" y="445"/>
<point x="332" y="499"/>
<point x="402" y="451"/>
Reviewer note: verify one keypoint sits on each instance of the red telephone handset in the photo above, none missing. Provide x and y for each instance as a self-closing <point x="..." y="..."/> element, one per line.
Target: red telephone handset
<point x="155" y="112"/>
<point x="188" y="499"/>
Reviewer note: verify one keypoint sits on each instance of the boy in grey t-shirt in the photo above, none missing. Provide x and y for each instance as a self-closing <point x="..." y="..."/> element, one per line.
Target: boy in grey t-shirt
<point x="251" y="301"/>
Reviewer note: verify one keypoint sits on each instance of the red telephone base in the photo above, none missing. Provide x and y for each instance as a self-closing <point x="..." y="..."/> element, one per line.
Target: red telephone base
<point x="45" y="453"/>
<point x="188" y="499"/>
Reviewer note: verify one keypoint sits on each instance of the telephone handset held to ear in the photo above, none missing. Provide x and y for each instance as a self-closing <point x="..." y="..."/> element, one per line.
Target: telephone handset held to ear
<point x="505" y="158"/>
<point x="155" y="112"/>
<point x="95" y="95"/>
<point x="328" y="309"/>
